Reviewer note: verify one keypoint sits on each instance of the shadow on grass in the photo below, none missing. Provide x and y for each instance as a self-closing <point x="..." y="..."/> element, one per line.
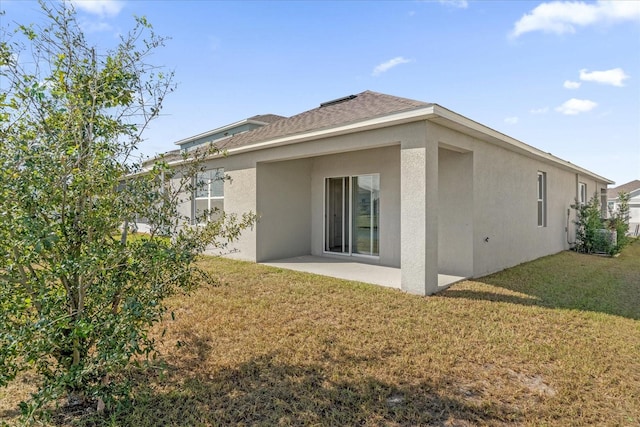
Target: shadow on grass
<point x="266" y="391"/>
<point x="8" y="414"/>
<point x="567" y="280"/>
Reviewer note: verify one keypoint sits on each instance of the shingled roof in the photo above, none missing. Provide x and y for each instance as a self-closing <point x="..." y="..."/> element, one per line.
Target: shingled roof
<point x="266" y="118"/>
<point x="350" y="109"/>
<point x="612" y="193"/>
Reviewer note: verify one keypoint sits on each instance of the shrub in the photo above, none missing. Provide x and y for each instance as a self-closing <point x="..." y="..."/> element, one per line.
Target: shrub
<point x="595" y="234"/>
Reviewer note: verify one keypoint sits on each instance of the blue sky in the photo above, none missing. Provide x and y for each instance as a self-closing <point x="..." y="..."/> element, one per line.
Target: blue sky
<point x="561" y="76"/>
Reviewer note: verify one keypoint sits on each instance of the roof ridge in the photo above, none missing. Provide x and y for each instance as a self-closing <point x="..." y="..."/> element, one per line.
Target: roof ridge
<point x="399" y="98"/>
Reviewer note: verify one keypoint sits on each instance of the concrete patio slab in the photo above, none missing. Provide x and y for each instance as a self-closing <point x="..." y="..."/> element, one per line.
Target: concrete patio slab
<point x="349" y="270"/>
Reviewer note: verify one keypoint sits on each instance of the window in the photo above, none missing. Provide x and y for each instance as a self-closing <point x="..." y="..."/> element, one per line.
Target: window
<point x="542" y="199"/>
<point x="582" y="193"/>
<point x="208" y="200"/>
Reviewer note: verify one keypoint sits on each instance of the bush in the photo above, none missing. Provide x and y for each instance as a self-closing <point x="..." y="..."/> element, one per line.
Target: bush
<point x="619" y="220"/>
<point x="78" y="295"/>
<point x="595" y="234"/>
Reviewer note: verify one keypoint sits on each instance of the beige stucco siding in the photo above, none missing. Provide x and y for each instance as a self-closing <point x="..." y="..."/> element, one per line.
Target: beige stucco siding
<point x="239" y="198"/>
<point x="284" y="206"/>
<point x="505" y="204"/>
<point x="455" y="212"/>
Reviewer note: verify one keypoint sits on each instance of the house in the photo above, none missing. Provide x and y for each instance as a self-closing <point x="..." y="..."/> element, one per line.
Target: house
<point x="391" y="181"/>
<point x="633" y="188"/>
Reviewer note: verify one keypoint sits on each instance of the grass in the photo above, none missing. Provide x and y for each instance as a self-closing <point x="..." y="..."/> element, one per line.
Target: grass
<point x="552" y="342"/>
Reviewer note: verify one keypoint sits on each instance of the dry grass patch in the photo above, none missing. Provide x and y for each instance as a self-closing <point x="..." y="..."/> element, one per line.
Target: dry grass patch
<point x="540" y="344"/>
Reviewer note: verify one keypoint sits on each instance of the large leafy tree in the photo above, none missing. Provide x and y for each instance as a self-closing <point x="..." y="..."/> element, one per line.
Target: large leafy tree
<point x="77" y="293"/>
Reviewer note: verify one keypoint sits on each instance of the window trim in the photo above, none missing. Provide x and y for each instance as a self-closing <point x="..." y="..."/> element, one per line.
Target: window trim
<point x="541" y="190"/>
<point x="217" y="174"/>
<point x="582" y="193"/>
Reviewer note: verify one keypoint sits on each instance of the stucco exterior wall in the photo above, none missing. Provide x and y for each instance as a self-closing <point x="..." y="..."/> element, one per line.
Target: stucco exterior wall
<point x="284" y="206"/>
<point x="239" y="198"/>
<point x="184" y="208"/>
<point x="455" y="212"/>
<point x="505" y="230"/>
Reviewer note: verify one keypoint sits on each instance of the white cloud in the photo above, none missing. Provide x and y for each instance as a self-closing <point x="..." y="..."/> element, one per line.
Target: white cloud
<point x="99" y="7"/>
<point x="386" y="66"/>
<point x="561" y="17"/>
<point x="575" y="106"/>
<point x="615" y="76"/>
<point x="94" y="27"/>
<point x="512" y="120"/>
<point x="460" y="4"/>
<point x="568" y="84"/>
<point x="543" y="110"/>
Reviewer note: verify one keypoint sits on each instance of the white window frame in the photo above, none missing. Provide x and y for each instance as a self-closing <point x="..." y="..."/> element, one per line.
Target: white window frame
<point x="206" y="183"/>
<point x="541" y="190"/>
<point x="582" y="193"/>
<point x="349" y="244"/>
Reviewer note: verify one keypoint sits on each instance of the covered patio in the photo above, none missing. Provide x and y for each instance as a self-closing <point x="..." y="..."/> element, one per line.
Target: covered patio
<point x="347" y="269"/>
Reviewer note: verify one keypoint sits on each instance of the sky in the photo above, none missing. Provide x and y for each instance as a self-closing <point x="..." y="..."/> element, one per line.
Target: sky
<point x="561" y="76"/>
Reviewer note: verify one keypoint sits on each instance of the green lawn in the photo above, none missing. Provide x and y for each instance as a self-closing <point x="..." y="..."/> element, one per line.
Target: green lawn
<point x="551" y="342"/>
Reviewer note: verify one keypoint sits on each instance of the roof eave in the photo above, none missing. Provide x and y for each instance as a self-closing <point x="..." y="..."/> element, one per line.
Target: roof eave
<point x="465" y="125"/>
<point x="431" y="112"/>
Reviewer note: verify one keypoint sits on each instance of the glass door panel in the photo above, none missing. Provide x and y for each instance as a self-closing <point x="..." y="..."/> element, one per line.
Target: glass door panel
<point x="366" y="214"/>
<point x="352" y="215"/>
<point x="337" y="215"/>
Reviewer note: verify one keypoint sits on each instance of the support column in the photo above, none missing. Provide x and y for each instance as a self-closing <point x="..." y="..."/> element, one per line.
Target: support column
<point x="419" y="213"/>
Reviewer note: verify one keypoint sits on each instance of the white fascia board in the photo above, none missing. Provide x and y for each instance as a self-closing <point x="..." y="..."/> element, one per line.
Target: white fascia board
<point x="485" y="133"/>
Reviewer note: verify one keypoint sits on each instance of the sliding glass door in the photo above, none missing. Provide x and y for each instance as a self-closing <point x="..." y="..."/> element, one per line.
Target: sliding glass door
<point x="352" y="214"/>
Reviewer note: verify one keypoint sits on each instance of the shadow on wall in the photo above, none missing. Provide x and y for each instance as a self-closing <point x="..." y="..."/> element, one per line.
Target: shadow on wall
<point x="568" y="280"/>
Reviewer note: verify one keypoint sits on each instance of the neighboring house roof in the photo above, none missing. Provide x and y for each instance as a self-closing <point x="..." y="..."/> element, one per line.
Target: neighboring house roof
<point x="350" y="109"/>
<point x="612" y="193"/>
<point x="231" y="129"/>
<point x="266" y="118"/>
